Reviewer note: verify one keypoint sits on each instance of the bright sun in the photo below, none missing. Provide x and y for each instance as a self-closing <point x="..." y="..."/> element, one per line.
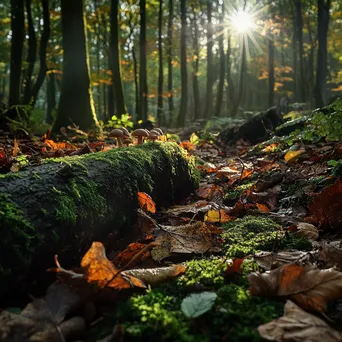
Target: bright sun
<point x="242" y="22"/>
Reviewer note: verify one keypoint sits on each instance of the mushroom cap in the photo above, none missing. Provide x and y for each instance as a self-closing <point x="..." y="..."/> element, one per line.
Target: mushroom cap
<point x="155" y="132"/>
<point x="139" y="133"/>
<point x="124" y="130"/>
<point x="153" y="136"/>
<point x="116" y="133"/>
<point x="158" y="130"/>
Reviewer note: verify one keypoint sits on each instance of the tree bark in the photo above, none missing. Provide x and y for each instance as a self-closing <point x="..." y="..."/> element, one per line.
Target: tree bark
<point x="210" y="73"/>
<point x="230" y="88"/>
<point x="58" y="207"/>
<point x="115" y="54"/>
<point x="270" y="72"/>
<point x="197" y="106"/>
<point x="321" y="71"/>
<point x="76" y="104"/>
<point x="42" y="52"/>
<point x="51" y="96"/>
<point x="143" y="88"/>
<point x="17" y="44"/>
<point x="222" y="69"/>
<point x="184" y="72"/>
<point x="169" y="61"/>
<point x="160" y="110"/>
<point x="31" y="54"/>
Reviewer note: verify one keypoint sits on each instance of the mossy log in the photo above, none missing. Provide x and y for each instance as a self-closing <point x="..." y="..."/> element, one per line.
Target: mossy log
<point x="61" y="206"/>
<point x="254" y="130"/>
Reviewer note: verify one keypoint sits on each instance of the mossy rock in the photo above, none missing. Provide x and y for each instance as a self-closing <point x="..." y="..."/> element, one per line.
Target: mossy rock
<point x="61" y="206"/>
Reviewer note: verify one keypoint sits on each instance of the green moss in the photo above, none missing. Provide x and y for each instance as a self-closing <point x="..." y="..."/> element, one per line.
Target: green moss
<point x="17" y="243"/>
<point x="252" y="234"/>
<point x="157" y="315"/>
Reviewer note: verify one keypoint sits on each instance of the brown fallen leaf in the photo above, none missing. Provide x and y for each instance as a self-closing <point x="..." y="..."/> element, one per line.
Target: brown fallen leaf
<point x="270" y="260"/>
<point x="99" y="270"/>
<point x="307" y="230"/>
<point x="298" y="325"/>
<point x="308" y="286"/>
<point x="331" y="254"/>
<point x="154" y="276"/>
<point x="234" y="267"/>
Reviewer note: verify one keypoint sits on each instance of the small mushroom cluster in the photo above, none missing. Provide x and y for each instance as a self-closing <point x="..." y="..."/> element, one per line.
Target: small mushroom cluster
<point x="123" y="137"/>
<point x="151" y="135"/>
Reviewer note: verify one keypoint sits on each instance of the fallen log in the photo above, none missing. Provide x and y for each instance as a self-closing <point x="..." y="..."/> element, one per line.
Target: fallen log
<point x="64" y="204"/>
<point x="254" y="130"/>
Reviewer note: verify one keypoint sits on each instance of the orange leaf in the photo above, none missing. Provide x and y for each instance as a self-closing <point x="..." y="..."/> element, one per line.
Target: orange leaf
<point x="262" y="207"/>
<point x="126" y="256"/>
<point x="235" y="267"/>
<point x="246" y="174"/>
<point x="146" y="203"/>
<point x="99" y="270"/>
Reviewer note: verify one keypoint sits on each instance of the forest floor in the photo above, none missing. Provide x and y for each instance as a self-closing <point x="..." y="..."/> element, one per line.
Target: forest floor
<point x="255" y="253"/>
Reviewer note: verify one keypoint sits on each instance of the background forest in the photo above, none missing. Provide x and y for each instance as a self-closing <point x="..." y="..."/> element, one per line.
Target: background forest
<point x="80" y="62"/>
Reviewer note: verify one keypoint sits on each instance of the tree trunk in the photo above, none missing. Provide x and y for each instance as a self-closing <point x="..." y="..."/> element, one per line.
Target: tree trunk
<point x="31" y="54"/>
<point x="42" y="51"/>
<point x="160" y="111"/>
<point x="17" y="43"/>
<point x="230" y="89"/>
<point x="222" y="69"/>
<point x="270" y="72"/>
<point x="60" y="208"/>
<point x="299" y="31"/>
<point x="51" y="96"/>
<point x="210" y="71"/>
<point x="197" y="108"/>
<point x="184" y="72"/>
<point x="169" y="61"/>
<point x="143" y="88"/>
<point x="136" y="82"/>
<point x="115" y="54"/>
<point x="76" y="104"/>
<point x="321" y="71"/>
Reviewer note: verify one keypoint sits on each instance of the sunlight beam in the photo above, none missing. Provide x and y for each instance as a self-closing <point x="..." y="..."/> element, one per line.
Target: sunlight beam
<point x="243" y="22"/>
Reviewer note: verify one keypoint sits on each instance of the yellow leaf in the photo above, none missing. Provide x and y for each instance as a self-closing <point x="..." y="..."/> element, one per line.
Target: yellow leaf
<point x="194" y="139"/>
<point x="291" y="155"/>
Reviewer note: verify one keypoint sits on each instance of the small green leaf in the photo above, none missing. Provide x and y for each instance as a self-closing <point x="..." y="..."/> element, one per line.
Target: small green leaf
<point x="198" y="303"/>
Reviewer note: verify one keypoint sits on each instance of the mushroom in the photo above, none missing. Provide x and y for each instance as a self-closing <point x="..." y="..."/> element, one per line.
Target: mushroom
<point x="118" y="134"/>
<point x="153" y="136"/>
<point x="158" y="130"/>
<point x="127" y="141"/>
<point x="140" y="134"/>
<point x="125" y="132"/>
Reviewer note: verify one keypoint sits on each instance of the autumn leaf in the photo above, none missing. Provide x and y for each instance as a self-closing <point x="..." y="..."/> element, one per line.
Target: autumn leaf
<point x="235" y="267"/>
<point x="100" y="271"/>
<point x="217" y="216"/>
<point x="262" y="207"/>
<point x="298" y="325"/>
<point x="146" y="203"/>
<point x="292" y="156"/>
<point x="310" y="287"/>
<point x="132" y="249"/>
<point x="154" y="276"/>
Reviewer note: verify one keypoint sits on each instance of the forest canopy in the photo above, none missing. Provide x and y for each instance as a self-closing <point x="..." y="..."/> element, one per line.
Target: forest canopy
<point x="85" y="62"/>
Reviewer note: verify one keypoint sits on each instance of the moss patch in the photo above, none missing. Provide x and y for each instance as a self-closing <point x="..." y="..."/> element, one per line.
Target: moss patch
<point x="252" y="234"/>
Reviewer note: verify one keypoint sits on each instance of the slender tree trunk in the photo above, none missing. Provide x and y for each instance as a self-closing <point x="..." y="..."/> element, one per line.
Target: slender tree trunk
<point x="321" y="71"/>
<point x="160" y="111"/>
<point x="230" y="88"/>
<point x="136" y="82"/>
<point x="97" y="30"/>
<point x="222" y="70"/>
<point x="17" y="43"/>
<point x="115" y="54"/>
<point x="311" y="64"/>
<point x="76" y="104"/>
<point x="299" y="30"/>
<point x="184" y="72"/>
<point x="210" y="71"/>
<point x="143" y="88"/>
<point x="295" y="55"/>
<point x="197" y="109"/>
<point x="169" y="61"/>
<point x="271" y="79"/>
<point x="31" y="54"/>
<point x="51" y="96"/>
<point x="42" y="52"/>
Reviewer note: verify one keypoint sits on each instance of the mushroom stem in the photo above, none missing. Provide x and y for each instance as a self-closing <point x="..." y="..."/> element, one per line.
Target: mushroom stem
<point x="140" y="140"/>
<point x="119" y="142"/>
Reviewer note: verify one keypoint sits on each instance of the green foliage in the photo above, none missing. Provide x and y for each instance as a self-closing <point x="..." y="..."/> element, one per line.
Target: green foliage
<point x="197" y="304"/>
<point x="252" y="234"/>
<point x="124" y="121"/>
